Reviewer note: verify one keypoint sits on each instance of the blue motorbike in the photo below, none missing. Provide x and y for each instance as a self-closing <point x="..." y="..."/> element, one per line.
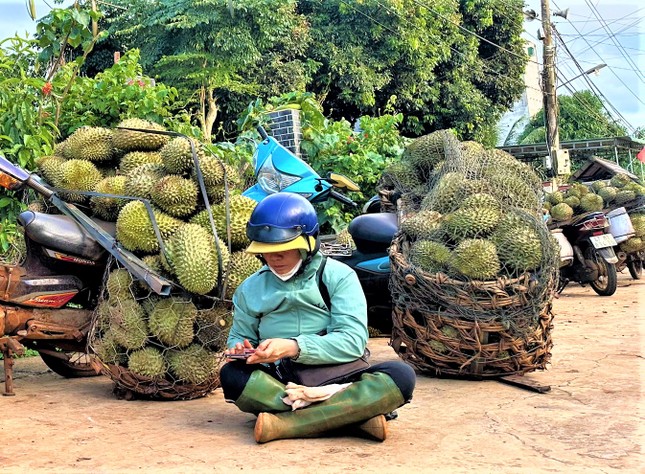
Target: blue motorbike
<point x="279" y="170"/>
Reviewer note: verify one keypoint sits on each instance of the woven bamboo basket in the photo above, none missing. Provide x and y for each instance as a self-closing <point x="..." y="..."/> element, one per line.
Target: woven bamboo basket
<point x="501" y="293"/>
<point x="440" y="343"/>
<point x="129" y="385"/>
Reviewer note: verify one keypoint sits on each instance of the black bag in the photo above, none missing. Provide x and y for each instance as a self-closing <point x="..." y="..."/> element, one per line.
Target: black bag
<point x="317" y="375"/>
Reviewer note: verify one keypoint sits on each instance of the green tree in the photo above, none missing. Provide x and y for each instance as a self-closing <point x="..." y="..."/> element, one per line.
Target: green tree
<point x="446" y="64"/>
<point x="581" y="117"/>
<point x="214" y="49"/>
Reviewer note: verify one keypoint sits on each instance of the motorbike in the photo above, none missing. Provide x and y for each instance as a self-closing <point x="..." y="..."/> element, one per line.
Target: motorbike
<point x="46" y="302"/>
<point x="590" y="258"/>
<point x="279" y="170"/>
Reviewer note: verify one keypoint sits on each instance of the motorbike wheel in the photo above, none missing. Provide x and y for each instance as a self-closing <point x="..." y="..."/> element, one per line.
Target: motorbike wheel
<point x="74" y="365"/>
<point x="635" y="267"/>
<point x="607" y="280"/>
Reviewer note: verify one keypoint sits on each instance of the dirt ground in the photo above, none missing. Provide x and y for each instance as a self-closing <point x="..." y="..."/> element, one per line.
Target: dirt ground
<point x="592" y="419"/>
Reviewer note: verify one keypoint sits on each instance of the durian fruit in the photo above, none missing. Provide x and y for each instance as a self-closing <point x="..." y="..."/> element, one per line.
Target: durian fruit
<point x="633" y="244"/>
<point x="591" y="202"/>
<point x="619" y="180"/>
<point x="428" y="255"/>
<point x="499" y="165"/>
<point x="177" y="156"/>
<point x="448" y="193"/>
<point x="471" y="155"/>
<point x="212" y="327"/>
<point x="518" y="243"/>
<point x="572" y="201"/>
<point x="400" y="175"/>
<point x="134" y="228"/>
<point x="148" y="362"/>
<point x="128" y="323"/>
<point x="89" y="143"/>
<point x="241" y="266"/>
<point x="450" y="331"/>
<point x="346" y="239"/>
<point x="194" y="364"/>
<point x="547" y="205"/>
<point x="108" y="350"/>
<point x="556" y="197"/>
<point x="476" y="259"/>
<point x="608" y="193"/>
<point x="241" y="208"/>
<point x="59" y="149"/>
<point x="437" y="346"/>
<point x="139" y="181"/>
<point x="624" y="195"/>
<point x="130" y="140"/>
<point x="470" y="222"/>
<point x="212" y="169"/>
<point x="134" y="159"/>
<point x="194" y="258"/>
<point x="638" y="222"/>
<point x="426" y="151"/>
<point x="638" y="189"/>
<point x="423" y="225"/>
<point x="598" y="185"/>
<point x="78" y="175"/>
<point x="50" y="168"/>
<point x="581" y="189"/>
<point x="561" y="212"/>
<point x="175" y="195"/>
<point x="119" y="283"/>
<point x="171" y="321"/>
<point x="573" y="191"/>
<point x="107" y="208"/>
<point x="479" y="200"/>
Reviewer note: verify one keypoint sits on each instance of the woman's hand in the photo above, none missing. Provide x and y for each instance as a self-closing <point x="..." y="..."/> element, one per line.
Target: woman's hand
<point x="239" y="348"/>
<point x="271" y="350"/>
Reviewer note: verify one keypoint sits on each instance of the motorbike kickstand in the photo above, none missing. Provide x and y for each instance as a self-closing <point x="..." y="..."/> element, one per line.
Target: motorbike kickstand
<point x="9" y="347"/>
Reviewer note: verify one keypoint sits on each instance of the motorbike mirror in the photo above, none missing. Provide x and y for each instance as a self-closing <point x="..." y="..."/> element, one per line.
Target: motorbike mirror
<point x="11" y="176"/>
<point x="343" y="182"/>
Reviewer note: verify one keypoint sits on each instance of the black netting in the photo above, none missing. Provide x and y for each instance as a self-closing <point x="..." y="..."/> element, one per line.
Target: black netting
<point x="472" y="248"/>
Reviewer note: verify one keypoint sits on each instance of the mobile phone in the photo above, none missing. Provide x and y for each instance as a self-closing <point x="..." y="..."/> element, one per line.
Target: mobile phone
<point x="247" y="353"/>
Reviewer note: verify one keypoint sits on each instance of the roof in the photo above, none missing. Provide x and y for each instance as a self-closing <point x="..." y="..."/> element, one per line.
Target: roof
<point x="598" y="168"/>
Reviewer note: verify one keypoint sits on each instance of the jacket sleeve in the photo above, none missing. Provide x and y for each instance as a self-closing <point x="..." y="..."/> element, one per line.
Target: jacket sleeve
<point x="347" y="334"/>
<point x="245" y="325"/>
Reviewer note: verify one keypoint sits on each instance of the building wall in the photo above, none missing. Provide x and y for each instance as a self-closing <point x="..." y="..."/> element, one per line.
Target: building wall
<point x="286" y="129"/>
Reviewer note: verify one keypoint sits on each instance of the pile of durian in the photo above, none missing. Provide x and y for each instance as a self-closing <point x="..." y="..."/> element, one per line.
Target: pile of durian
<point x="157" y="337"/>
<point x="581" y="198"/>
<point x="472" y="213"/>
<point x="161" y="338"/>
<point x="600" y="195"/>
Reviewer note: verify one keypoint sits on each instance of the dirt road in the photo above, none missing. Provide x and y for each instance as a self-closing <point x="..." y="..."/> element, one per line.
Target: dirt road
<point x="590" y="421"/>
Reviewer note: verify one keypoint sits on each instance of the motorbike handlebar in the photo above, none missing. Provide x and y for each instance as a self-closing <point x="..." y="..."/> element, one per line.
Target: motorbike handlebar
<point x="262" y="132"/>
<point x="342" y="198"/>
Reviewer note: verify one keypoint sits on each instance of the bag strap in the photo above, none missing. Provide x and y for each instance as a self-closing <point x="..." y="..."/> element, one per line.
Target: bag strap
<point x="324" y="292"/>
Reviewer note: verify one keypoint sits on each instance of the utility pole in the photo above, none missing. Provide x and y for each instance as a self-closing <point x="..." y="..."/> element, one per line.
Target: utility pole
<point x="548" y="90"/>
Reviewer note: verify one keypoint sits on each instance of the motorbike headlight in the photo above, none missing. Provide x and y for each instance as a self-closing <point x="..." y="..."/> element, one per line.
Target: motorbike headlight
<point x="272" y="181"/>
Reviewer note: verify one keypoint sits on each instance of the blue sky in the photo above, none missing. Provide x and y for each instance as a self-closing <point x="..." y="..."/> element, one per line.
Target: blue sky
<point x="601" y="32"/>
<point x="619" y="43"/>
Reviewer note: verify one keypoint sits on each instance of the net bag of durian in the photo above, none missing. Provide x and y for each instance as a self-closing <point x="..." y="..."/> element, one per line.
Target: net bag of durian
<point x="154" y="347"/>
<point x="177" y="208"/>
<point x="474" y="267"/>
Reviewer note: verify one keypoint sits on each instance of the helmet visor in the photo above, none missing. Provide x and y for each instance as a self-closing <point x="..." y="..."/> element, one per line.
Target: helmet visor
<point x="301" y="243"/>
<point x="272" y="234"/>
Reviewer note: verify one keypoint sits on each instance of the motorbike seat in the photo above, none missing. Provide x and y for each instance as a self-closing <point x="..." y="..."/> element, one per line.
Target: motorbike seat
<point x="62" y="233"/>
<point x="373" y="232"/>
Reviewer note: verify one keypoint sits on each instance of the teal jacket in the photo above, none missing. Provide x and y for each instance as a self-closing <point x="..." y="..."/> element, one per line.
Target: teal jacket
<point x="266" y="307"/>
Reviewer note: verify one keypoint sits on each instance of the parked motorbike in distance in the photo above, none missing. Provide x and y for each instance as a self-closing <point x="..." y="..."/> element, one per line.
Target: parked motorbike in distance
<point x="622" y="229"/>
<point x="588" y="255"/>
<point x="277" y="169"/>
<point x="47" y="301"/>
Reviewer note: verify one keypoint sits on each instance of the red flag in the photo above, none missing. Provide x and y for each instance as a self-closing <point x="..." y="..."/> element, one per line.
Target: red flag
<point x="641" y="155"/>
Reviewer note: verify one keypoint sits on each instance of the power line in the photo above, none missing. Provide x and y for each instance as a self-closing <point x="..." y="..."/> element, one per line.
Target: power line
<point x="617" y="43"/>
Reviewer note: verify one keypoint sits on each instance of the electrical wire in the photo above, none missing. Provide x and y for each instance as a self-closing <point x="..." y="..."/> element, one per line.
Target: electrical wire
<point x="617" y="43"/>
